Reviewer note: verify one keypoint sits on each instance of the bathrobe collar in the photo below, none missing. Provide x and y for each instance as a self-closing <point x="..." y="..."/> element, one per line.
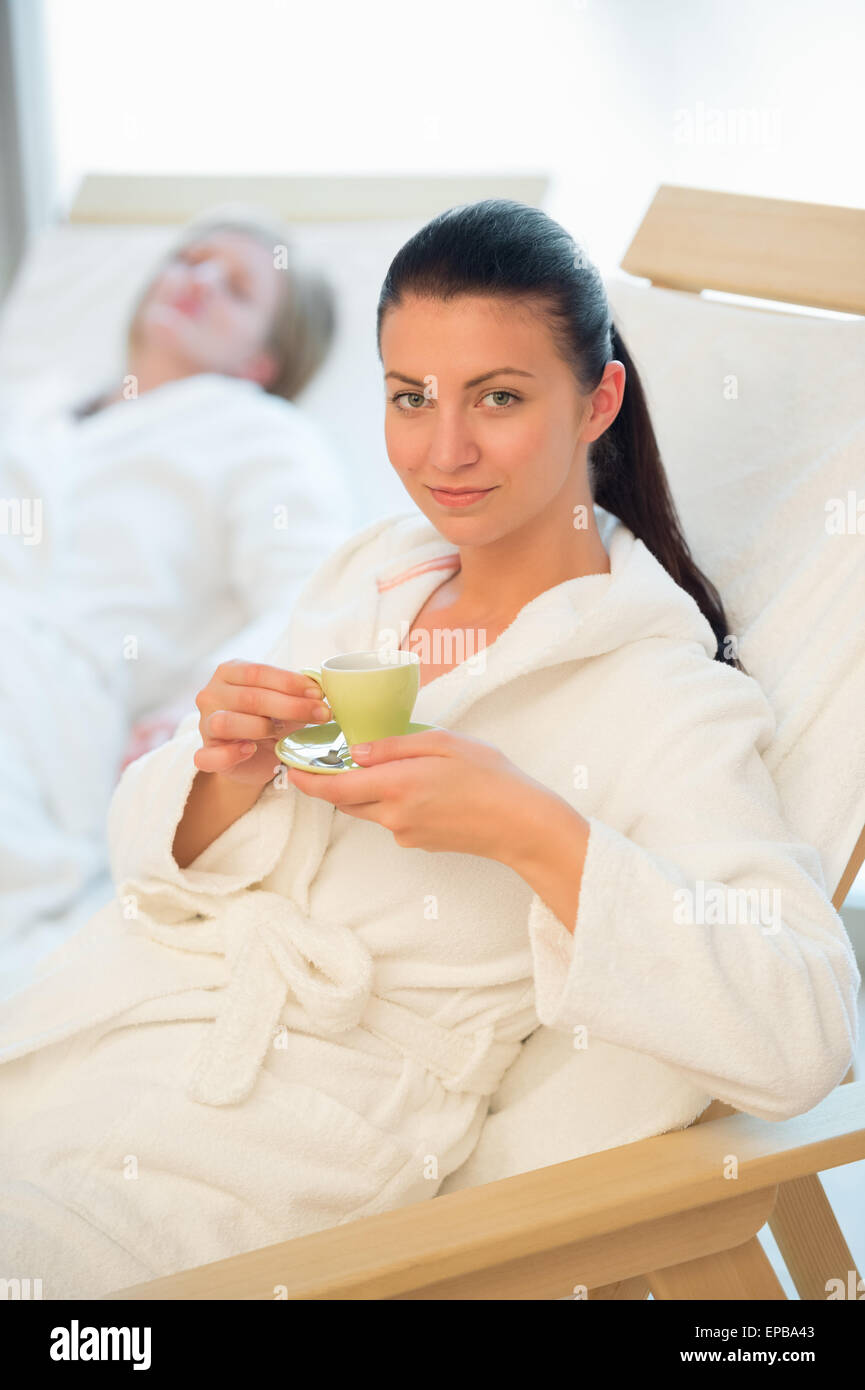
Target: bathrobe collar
<point x="575" y="620"/>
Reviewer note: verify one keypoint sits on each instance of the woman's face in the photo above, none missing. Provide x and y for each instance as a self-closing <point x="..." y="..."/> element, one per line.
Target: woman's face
<point x="477" y="397"/>
<point x="211" y="308"/>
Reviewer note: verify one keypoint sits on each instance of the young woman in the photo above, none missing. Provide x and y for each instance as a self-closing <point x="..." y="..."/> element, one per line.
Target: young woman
<point x="184" y="504"/>
<point x="308" y="987"/>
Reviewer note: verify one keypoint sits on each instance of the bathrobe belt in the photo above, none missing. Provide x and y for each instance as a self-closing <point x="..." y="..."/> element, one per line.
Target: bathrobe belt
<point x="314" y="975"/>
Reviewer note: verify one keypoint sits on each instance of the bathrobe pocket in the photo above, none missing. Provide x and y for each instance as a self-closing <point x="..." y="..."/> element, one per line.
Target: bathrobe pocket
<point x="180" y="1184"/>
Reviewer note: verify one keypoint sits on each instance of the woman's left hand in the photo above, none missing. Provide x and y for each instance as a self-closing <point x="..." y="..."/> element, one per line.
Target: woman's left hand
<point x="437" y="790"/>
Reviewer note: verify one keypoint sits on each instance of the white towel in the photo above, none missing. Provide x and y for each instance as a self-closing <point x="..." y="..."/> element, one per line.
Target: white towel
<point x="760" y="417"/>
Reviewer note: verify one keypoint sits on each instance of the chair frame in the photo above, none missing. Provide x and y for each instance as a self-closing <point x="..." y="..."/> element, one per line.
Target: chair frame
<point x="677" y="1214"/>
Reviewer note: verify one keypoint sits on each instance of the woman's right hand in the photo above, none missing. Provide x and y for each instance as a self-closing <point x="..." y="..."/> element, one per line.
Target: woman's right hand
<point x="246" y="708"/>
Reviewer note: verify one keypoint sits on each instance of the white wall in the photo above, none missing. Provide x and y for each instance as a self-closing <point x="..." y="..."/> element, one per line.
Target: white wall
<point x="592" y="91"/>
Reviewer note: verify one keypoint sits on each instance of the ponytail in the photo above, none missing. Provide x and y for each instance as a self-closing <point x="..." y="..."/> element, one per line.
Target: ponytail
<point x="628" y="479"/>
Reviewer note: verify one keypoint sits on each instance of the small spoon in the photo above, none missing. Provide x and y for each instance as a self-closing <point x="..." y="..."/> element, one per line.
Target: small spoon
<point x="335" y="757"/>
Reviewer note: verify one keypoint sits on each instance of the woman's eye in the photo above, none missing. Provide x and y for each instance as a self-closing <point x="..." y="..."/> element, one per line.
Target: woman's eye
<point x="502" y="393"/>
<point x="411" y="396"/>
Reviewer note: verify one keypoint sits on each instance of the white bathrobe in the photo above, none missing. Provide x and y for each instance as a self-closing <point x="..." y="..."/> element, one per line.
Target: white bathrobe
<point x="305" y="1025"/>
<point x="164" y="524"/>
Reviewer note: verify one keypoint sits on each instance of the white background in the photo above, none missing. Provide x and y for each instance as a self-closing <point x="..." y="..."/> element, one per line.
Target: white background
<point x="591" y="91"/>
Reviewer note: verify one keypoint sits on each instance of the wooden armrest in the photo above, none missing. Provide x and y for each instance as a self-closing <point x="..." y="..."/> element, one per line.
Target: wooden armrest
<point x="481" y="1227"/>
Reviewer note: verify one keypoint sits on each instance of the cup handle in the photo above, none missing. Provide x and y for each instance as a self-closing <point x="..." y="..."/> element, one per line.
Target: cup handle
<point x="314" y="672"/>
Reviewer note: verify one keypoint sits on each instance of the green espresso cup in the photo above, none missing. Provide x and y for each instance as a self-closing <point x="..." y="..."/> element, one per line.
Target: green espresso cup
<point x="372" y="694"/>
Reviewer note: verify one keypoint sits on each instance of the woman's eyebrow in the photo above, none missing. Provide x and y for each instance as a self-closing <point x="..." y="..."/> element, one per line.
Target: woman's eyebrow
<point x="475" y="381"/>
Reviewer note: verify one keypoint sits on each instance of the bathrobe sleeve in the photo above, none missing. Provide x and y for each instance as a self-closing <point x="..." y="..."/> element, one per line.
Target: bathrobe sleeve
<point x="148" y="803"/>
<point x="755" y="1001"/>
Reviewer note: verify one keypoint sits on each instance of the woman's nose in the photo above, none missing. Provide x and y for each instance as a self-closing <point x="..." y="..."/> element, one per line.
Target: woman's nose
<point x="452" y="445"/>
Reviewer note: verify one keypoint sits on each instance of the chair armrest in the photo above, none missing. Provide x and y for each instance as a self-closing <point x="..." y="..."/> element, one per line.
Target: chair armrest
<point x="583" y="1198"/>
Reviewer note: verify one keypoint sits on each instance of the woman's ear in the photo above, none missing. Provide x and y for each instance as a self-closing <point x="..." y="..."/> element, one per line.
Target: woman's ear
<point x="606" y="402"/>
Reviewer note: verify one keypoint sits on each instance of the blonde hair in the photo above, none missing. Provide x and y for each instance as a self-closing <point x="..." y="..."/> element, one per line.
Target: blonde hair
<point x="304" y="322"/>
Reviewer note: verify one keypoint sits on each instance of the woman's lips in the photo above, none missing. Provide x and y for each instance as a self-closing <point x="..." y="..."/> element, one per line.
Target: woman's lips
<point x="459" y="499"/>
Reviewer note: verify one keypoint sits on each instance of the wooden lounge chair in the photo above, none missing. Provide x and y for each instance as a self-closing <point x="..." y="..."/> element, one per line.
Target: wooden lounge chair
<point x="661" y="1214"/>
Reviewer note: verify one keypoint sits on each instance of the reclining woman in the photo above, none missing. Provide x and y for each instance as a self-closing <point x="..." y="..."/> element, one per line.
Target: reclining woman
<point x="182" y="505"/>
<point x="337" y="970"/>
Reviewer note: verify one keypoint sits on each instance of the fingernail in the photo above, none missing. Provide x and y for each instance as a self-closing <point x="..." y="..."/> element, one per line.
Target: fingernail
<point x="312" y="692"/>
<point x="361" y="748"/>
